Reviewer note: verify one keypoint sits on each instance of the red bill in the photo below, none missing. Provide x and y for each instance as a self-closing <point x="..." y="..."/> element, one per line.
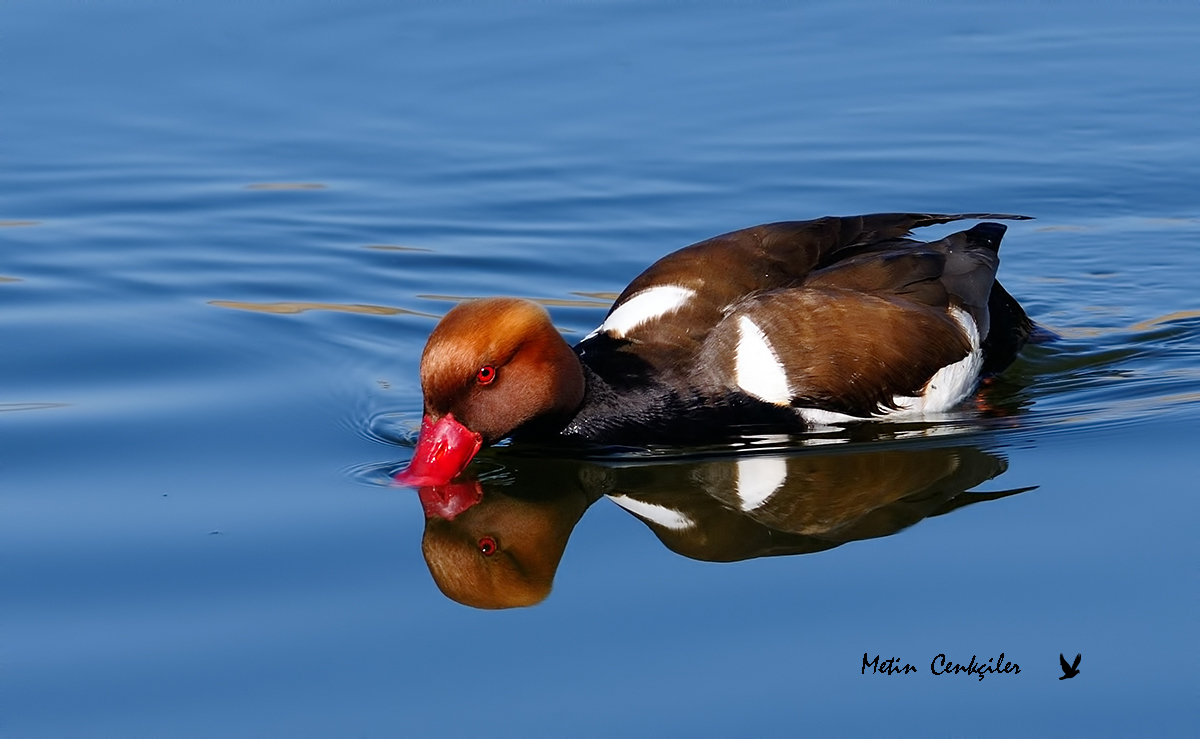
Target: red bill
<point x="444" y="449"/>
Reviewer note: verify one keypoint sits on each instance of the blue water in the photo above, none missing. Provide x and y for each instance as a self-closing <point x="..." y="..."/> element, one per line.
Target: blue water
<point x="226" y="231"/>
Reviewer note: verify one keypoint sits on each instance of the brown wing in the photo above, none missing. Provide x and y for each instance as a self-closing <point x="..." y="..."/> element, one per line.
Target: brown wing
<point x="731" y="266"/>
<point x="727" y="269"/>
<point x="841" y="350"/>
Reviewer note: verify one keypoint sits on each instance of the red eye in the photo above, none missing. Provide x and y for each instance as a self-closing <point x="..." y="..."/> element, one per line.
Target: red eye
<point x="486" y="374"/>
<point x="487" y="545"/>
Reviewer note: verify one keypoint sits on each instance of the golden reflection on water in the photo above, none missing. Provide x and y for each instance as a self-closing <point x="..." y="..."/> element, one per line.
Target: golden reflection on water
<point x="495" y="542"/>
<point x="297" y="307"/>
<point x="286" y="186"/>
<point x="1088" y="332"/>
<point x="548" y="302"/>
<point x="397" y="247"/>
<point x="1057" y="229"/>
<point x="1122" y="410"/>
<point x="607" y="297"/>
<point x="10" y="279"/>
<point x="19" y="224"/>
<point x="1153" y="322"/>
<point x="13" y="407"/>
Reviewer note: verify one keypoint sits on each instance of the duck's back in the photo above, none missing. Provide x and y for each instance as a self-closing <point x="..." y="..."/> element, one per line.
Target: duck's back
<point x="757" y="327"/>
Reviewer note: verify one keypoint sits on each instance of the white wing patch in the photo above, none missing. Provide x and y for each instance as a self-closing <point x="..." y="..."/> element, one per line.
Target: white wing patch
<point x="758" y="478"/>
<point x="757" y="369"/>
<point x="661" y="515"/>
<point x="951" y="383"/>
<point x="645" y="306"/>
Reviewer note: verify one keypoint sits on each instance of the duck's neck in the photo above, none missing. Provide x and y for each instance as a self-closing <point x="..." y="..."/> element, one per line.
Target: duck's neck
<point x="566" y="391"/>
<point x="616" y="414"/>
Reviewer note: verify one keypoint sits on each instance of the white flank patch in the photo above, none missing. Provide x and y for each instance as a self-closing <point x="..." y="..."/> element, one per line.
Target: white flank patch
<point x="757" y="369"/>
<point x="661" y="515"/>
<point x="945" y="389"/>
<point x="645" y="306"/>
<point x="951" y="383"/>
<point x="758" y="478"/>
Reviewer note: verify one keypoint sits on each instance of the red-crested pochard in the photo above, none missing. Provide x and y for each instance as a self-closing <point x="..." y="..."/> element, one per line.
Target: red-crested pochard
<point x="771" y="328"/>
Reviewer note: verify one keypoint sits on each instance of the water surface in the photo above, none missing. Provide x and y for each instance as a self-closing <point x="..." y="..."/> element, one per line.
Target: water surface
<point x="225" y="232"/>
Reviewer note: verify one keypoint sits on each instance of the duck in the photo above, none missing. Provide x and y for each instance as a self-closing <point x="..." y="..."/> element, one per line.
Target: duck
<point x="777" y="328"/>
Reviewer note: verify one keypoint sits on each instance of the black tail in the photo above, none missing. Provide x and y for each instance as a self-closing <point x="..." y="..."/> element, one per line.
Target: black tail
<point x="1010" y="330"/>
<point x="986" y="235"/>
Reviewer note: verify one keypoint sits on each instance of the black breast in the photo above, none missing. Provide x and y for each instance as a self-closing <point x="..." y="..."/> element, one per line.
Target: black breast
<point x="627" y="402"/>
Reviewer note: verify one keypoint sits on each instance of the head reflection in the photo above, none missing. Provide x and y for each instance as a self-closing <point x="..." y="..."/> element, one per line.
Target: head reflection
<point x="497" y="543"/>
<point x="490" y="545"/>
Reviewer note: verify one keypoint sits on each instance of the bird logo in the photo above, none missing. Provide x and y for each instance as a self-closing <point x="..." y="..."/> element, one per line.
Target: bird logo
<point x="1069" y="671"/>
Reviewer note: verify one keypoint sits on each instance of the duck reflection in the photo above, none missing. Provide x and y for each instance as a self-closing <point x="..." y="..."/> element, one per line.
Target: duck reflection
<point x="496" y="542"/>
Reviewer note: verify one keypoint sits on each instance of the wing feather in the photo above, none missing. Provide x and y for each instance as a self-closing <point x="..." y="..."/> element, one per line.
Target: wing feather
<point x="841" y="350"/>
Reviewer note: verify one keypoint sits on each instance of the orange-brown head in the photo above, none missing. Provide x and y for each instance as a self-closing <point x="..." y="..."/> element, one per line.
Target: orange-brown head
<point x="490" y="367"/>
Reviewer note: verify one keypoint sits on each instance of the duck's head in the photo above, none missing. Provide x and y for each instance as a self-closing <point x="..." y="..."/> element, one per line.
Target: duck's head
<point x="491" y="367"/>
